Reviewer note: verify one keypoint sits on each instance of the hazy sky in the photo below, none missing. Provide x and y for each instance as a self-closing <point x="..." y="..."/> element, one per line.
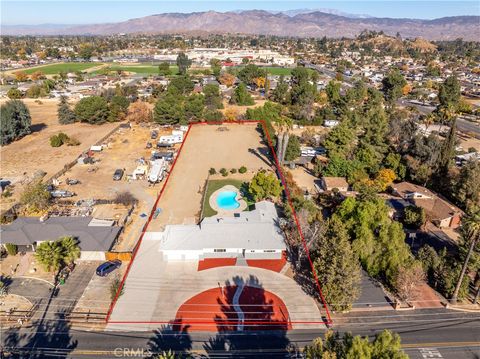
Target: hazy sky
<point x="83" y="12"/>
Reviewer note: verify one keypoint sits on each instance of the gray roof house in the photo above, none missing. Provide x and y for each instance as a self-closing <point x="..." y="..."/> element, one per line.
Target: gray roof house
<point x="94" y="237"/>
<point x="250" y="235"/>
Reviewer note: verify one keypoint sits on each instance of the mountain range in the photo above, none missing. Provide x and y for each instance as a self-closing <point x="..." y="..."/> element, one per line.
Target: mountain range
<point x="301" y="23"/>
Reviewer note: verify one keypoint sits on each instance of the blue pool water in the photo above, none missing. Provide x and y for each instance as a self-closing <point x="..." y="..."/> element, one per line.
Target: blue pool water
<point x="226" y="200"/>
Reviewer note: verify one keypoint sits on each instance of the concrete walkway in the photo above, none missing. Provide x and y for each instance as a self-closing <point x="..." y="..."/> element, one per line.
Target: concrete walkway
<point x="155" y="290"/>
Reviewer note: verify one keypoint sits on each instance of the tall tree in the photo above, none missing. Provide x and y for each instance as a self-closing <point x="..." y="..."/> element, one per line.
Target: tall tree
<point x="183" y="63"/>
<point x="337" y="266"/>
<point x="213" y="98"/>
<point x="448" y="151"/>
<point x="449" y="93"/>
<point x="15" y="121"/>
<point x="470" y="233"/>
<point x="93" y="109"/>
<point x="393" y="84"/>
<point x="241" y="96"/>
<point x="64" y="112"/>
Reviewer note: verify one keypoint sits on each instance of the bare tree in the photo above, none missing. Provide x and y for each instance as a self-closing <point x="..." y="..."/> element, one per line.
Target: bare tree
<point x="408" y="281"/>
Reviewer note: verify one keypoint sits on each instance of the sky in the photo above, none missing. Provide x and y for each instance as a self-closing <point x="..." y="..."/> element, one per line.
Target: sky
<point x="18" y="12"/>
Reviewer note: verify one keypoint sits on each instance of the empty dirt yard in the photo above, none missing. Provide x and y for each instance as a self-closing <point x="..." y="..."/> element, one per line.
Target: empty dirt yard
<point x="22" y="158"/>
<point x="206" y="147"/>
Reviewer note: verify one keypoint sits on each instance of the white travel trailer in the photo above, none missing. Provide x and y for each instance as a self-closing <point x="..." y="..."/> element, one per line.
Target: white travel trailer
<point x="175" y="137"/>
<point x="157" y="170"/>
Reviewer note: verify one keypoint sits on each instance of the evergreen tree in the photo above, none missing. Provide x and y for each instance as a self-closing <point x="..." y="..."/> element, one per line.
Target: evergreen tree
<point x="393" y="84"/>
<point x="449" y="93"/>
<point x="65" y="113"/>
<point x="15" y="121"/>
<point x="183" y="63"/>
<point x="169" y="109"/>
<point x="337" y="266"/>
<point x="447" y="153"/>
<point x="93" y="109"/>
<point x="241" y="96"/>
<point x="213" y="99"/>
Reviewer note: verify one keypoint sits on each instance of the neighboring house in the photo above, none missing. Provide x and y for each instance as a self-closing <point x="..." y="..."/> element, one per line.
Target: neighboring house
<point x="95" y="237"/>
<point x="439" y="211"/>
<point x="247" y="235"/>
<point x="330" y="183"/>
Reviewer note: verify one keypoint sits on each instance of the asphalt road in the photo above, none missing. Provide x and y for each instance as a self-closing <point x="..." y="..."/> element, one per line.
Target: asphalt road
<point x="445" y="333"/>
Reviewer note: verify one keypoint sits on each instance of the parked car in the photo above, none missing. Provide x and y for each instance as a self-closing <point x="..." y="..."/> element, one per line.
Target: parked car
<point x="106" y="268"/>
<point x="118" y="174"/>
<point x="60" y="193"/>
<point x="154" y="134"/>
<point x="149" y="145"/>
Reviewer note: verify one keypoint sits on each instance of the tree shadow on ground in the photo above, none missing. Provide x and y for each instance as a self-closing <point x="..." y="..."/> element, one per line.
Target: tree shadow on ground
<point x="258" y="332"/>
<point x="173" y="337"/>
<point x="263" y="156"/>
<point x="49" y="338"/>
<point x="38" y="127"/>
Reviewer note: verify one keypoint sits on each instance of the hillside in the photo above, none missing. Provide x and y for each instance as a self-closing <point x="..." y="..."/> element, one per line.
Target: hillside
<point x="312" y="24"/>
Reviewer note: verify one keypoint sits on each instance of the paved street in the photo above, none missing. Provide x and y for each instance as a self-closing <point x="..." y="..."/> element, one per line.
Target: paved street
<point x="450" y="333"/>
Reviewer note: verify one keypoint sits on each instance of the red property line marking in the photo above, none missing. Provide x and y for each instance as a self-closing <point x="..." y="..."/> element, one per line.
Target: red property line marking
<point x="287" y="192"/>
<point x="135" y="250"/>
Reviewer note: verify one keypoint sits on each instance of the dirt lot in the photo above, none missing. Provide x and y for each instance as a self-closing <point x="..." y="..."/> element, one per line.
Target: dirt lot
<point x="22" y="158"/>
<point x="123" y="149"/>
<point x="305" y="179"/>
<point x="206" y="147"/>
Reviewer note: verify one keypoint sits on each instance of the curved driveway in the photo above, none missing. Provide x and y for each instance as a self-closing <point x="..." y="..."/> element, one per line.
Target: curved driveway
<point x="154" y="290"/>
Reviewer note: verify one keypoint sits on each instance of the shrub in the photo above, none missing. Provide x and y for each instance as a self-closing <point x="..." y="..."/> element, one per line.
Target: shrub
<point x="212" y="171"/>
<point x="55" y="141"/>
<point x="242" y="169"/>
<point x="14" y="94"/>
<point x="114" y="286"/>
<point x="233" y="170"/>
<point x="224" y="172"/>
<point x="11" y="249"/>
<point x="72" y="141"/>
<point x="60" y="139"/>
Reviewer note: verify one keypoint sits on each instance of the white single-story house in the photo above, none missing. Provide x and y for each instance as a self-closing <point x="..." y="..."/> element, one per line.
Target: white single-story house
<point x="95" y="237"/>
<point x="251" y="235"/>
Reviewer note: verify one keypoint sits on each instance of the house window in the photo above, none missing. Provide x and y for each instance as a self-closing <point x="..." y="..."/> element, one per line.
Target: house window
<point x="219" y="250"/>
<point x="269" y="251"/>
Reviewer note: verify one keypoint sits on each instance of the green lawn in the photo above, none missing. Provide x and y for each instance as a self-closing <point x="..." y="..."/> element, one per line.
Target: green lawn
<point x="141" y="69"/>
<point x="54" y="69"/>
<point x="212" y="186"/>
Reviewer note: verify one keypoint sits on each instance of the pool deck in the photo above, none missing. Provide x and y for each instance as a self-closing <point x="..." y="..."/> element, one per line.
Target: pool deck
<point x="227" y="212"/>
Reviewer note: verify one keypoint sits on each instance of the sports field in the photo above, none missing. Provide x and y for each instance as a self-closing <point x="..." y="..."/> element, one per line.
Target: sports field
<point x="141" y="69"/>
<point x="54" y="69"/>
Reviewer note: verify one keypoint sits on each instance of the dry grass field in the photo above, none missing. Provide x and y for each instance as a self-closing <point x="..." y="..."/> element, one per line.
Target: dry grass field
<point x="206" y="147"/>
<point x="22" y="158"/>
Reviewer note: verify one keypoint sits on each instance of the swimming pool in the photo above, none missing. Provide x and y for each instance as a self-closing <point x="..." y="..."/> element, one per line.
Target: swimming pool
<point x="227" y="200"/>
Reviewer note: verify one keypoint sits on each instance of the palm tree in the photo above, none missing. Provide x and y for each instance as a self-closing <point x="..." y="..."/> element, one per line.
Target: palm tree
<point x="50" y="255"/>
<point x="71" y="251"/>
<point x="470" y="234"/>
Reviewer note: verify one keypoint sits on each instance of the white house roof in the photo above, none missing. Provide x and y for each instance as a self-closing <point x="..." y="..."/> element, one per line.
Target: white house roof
<point x="257" y="229"/>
